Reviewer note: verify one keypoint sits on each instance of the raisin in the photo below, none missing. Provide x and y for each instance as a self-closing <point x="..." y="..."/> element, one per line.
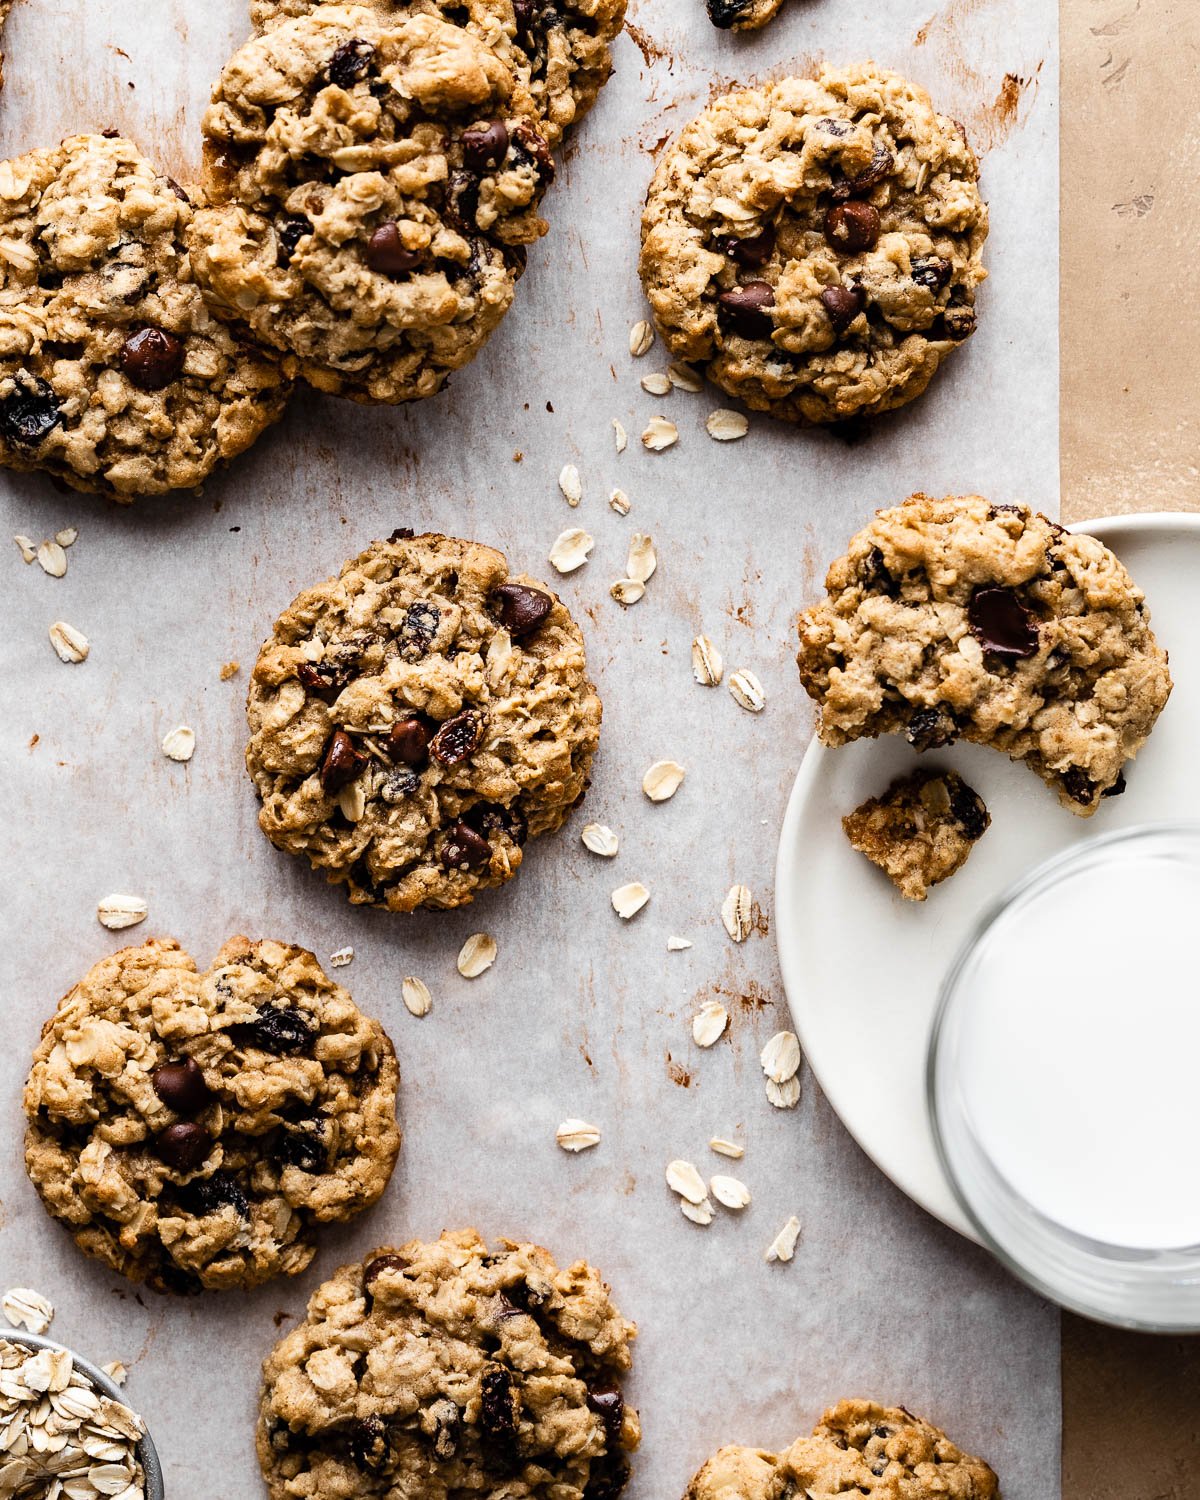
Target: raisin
<point x="497" y="1411"/>
<point x="418" y="629"/>
<point x="1078" y="785"/>
<point x="608" y="1478"/>
<point x="368" y="1444"/>
<point x="1118" y="787"/>
<point x="870" y="177"/>
<point x="289" y="234"/>
<point x="490" y="819"/>
<point x="969" y="811"/>
<point x="931" y="271"/>
<point x="398" y="785"/>
<point x="275" y="1029"/>
<point x="350" y="62"/>
<point x="30" y="414"/>
<point x="931" y="729"/>
<point x="875" y="574"/>
<point x="208" y="1195"/>
<point x="304" y="1148"/>
<point x="457" y="738"/>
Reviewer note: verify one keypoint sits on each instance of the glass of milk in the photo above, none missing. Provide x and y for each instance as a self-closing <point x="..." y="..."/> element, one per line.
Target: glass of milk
<point x="1064" y="1078"/>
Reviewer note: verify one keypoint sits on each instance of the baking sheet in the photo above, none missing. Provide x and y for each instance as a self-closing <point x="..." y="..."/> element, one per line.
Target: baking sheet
<point x="581" y="1015"/>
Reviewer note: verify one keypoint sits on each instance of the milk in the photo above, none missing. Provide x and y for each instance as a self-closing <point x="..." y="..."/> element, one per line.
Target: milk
<point x="1079" y="1055"/>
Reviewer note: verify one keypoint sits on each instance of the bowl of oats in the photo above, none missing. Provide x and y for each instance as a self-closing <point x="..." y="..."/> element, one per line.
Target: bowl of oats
<point x="65" y="1431"/>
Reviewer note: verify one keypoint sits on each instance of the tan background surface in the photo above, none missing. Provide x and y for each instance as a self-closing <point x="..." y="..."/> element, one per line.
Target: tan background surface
<point x="1130" y="158"/>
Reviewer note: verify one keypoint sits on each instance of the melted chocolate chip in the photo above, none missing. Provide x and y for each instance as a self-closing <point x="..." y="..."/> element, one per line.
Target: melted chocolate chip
<point x="418" y="630"/>
<point x="181" y="1086"/>
<point x="609" y="1405"/>
<point x="341" y="762"/>
<point x="530" y="145"/>
<point x="745" y="309"/>
<point x="608" y="1478"/>
<point x="276" y="1029"/>
<point x="402" y="534"/>
<point x="408" y="741"/>
<point x="1002" y="624"/>
<point x="184" y="1146"/>
<point x="875" y="573"/>
<point x="387" y="253"/>
<point x="751" y="254"/>
<point x="464" y="849"/>
<point x="843" y="304"/>
<point x="520" y="609"/>
<point x="852" y="227"/>
<point x="376" y="1268"/>
<point x="1118" y="788"/>
<point x="485" y="146"/>
<point x="152" y="358"/>
<point x="30" y="414"/>
<point x="350" y="62"/>
<point x="457" y="738"/>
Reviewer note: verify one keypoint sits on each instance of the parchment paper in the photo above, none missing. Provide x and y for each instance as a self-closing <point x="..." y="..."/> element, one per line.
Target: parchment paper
<point x="581" y="1015"/>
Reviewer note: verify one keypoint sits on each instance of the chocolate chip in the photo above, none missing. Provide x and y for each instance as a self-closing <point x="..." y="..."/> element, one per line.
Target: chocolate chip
<point x="931" y="728"/>
<point x="152" y="358"/>
<point x="724" y="13"/>
<point x="931" y="271"/>
<point x="386" y="252"/>
<point x="969" y="812"/>
<point x="402" y="534"/>
<point x="341" y="762"/>
<point x="843" y="304"/>
<point x="377" y="1267"/>
<point x="289" y="234"/>
<point x="609" y="1405"/>
<point x="1078" y="785"/>
<point x="181" y="1086"/>
<point x="752" y="254"/>
<point x="303" y="1148"/>
<point x="520" y="609"/>
<point x="464" y="849"/>
<point x="367" y="1440"/>
<point x="745" y="309"/>
<point x="30" y="414"/>
<point x="418" y="630"/>
<point x="851" y="227"/>
<point x="209" y="1195"/>
<point x="457" y="738"/>
<point x="608" y="1478"/>
<point x="875" y="575"/>
<point x="408" y="741"/>
<point x="398" y="785"/>
<point x="485" y="146"/>
<point x="350" y="62"/>
<point x="277" y="1029"/>
<point x="869" y="178"/>
<point x="497" y="1410"/>
<point x="1002" y="623"/>
<point x="183" y="1146"/>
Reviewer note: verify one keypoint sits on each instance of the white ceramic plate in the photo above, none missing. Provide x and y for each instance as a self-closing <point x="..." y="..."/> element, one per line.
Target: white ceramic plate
<point x="862" y="967"/>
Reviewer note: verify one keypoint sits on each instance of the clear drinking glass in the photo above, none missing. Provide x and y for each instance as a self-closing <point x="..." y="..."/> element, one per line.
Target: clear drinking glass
<point x="1064" y="1078"/>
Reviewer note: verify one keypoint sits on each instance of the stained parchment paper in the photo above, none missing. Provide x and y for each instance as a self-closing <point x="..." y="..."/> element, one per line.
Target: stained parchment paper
<point x="582" y="1014"/>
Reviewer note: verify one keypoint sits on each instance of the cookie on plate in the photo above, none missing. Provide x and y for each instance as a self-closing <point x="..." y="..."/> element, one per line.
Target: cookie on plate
<point x="815" y="244"/>
<point x="858" y="1448"/>
<point x="193" y="1130"/>
<point x="559" y="52"/>
<point x="742" y="15"/>
<point x="415" y="719"/>
<point x="957" y="619"/>
<point x="921" y="830"/>
<point x="372" y="184"/>
<point x="114" y="375"/>
<point x="486" y="1372"/>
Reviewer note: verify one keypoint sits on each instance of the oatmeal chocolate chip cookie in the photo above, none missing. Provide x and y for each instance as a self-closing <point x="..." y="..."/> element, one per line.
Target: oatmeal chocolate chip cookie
<point x="372" y="185"/>
<point x="415" y="719"/>
<point x="558" y="52"/>
<point x="815" y="244"/>
<point x="193" y="1130"/>
<point x="954" y="619"/>
<point x="449" y="1370"/>
<point x="114" y="375"/>
<point x="920" y="831"/>
<point x="742" y="15"/>
<point x="858" y="1448"/>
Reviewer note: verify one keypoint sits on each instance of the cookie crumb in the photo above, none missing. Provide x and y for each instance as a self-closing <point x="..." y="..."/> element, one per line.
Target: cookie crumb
<point x="341" y="957"/>
<point x="230" y="669"/>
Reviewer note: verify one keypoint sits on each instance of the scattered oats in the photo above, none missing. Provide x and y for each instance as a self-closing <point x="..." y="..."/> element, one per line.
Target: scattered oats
<point x="28" y="550"/>
<point x="663" y="780"/>
<point x="707" y="665"/>
<point x="726" y="1148"/>
<point x="726" y="426"/>
<point x="736" y="912"/>
<point x="117" y="911"/>
<point x="682" y="1178"/>
<point x="571" y="548"/>
<point x="230" y="669"/>
<point x="619" y="501"/>
<point x="629" y="899"/>
<point x="415" y="994"/>
<point x="627" y="591"/>
<point x="698" y="1213"/>
<point x="352" y="800"/>
<point x="780" y="1058"/>
<point x="116" y="1371"/>
<point x="69" y="644"/>
<point x="341" y="957"/>
<point x="730" y="1192"/>
<point x="619" y="436"/>
<point x="783" y="1246"/>
<point x="577" y="1135"/>
<point x="570" y="484"/>
<point x="642" y="560"/>
<point x="67" y="537"/>
<point x="747" y="691"/>
<point x="478" y="954"/>
<point x="709" y="1023"/>
<point x="52" y="559"/>
<point x="25" y="1308"/>
<point x="658" y="434"/>
<point x="180" y="744"/>
<point x="641" y="336"/>
<point x="600" y="839"/>
<point x="656" y="384"/>
<point x="783" y="1095"/>
<point x="677" y="944"/>
<point x="684" y="378"/>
